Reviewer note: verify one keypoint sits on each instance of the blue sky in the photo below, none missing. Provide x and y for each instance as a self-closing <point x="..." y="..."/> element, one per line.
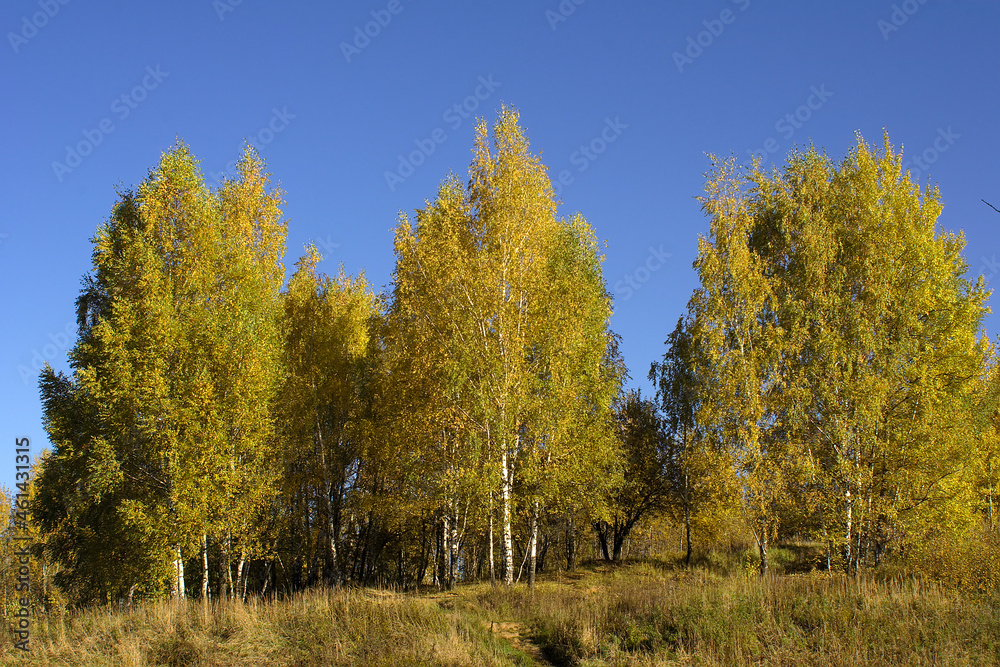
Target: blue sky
<point x="360" y="109"/>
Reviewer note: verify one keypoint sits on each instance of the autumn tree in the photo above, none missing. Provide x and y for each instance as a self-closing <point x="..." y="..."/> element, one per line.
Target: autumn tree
<point x="323" y="407"/>
<point x="738" y="355"/>
<point x="696" y="475"/>
<point x="829" y="375"/>
<point x="644" y="488"/>
<point x="508" y="309"/>
<point x="161" y="435"/>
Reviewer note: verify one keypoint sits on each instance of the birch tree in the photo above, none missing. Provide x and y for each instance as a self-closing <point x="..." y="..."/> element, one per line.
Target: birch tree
<point x="842" y="344"/>
<point x="174" y="371"/>
<point x="323" y="401"/>
<point x="508" y="308"/>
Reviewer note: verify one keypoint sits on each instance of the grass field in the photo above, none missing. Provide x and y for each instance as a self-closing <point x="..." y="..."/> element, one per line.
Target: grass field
<point x="651" y="613"/>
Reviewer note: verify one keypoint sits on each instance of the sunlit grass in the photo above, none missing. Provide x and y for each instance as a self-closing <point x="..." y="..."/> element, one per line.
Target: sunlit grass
<point x="650" y="613"/>
<point x="335" y="627"/>
<point x="645" y="615"/>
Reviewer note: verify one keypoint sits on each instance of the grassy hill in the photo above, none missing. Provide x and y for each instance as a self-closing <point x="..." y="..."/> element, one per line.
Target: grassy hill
<point x="648" y="613"/>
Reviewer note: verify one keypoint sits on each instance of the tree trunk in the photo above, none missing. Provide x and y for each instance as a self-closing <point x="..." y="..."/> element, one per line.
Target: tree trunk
<point x="446" y="550"/>
<point x="240" y="580"/>
<point x="204" y="569"/>
<point x="763" y="556"/>
<point x="848" y="535"/>
<point x="489" y="538"/>
<point x="425" y="552"/>
<point x="454" y="542"/>
<point x="227" y="573"/>
<point x="546" y="542"/>
<point x="331" y="572"/>
<point x="179" y="589"/>
<point x="570" y="544"/>
<point x="620" y="533"/>
<point x="533" y="561"/>
<point x="508" y="553"/>
<point x="602" y="537"/>
<point x="687" y="523"/>
<point x="333" y="577"/>
<point x="435" y="581"/>
<point x="267" y="577"/>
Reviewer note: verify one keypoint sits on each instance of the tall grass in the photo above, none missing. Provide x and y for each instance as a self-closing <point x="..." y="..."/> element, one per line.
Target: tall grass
<point x="328" y="627"/>
<point x="647" y="616"/>
<point x="652" y="613"/>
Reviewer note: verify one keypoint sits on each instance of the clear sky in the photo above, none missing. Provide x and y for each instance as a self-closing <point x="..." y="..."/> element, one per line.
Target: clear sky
<point x="361" y="108"/>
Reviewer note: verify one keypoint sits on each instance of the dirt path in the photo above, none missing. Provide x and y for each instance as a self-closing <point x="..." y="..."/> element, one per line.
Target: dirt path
<point x="513" y="632"/>
<point x="516" y="634"/>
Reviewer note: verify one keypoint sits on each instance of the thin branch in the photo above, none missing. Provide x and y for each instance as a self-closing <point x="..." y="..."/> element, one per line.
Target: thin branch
<point x="990" y="205"/>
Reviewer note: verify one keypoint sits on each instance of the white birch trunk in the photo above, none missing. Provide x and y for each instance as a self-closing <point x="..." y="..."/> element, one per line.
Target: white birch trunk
<point x="179" y="589"/>
<point x="847" y="532"/>
<point x="454" y="543"/>
<point x="508" y="553"/>
<point x="204" y="568"/>
<point x="446" y="550"/>
<point x="240" y="583"/>
<point x="489" y="538"/>
<point x="533" y="561"/>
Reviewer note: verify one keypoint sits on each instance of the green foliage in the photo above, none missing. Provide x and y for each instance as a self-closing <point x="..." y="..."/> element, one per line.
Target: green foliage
<point x="645" y="489"/>
<point x="162" y="433"/>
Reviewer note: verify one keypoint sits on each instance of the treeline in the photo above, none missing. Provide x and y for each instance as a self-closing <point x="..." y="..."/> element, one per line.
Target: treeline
<point x="223" y="434"/>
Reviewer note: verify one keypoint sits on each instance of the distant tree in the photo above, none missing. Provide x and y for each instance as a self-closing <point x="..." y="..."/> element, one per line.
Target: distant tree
<point x="694" y="474"/>
<point x="645" y="487"/>
<point x="322" y="410"/>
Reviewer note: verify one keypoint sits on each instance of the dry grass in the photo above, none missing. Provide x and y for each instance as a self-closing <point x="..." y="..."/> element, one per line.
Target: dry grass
<point x="338" y="627"/>
<point x="643" y="615"/>
<point x="640" y="614"/>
